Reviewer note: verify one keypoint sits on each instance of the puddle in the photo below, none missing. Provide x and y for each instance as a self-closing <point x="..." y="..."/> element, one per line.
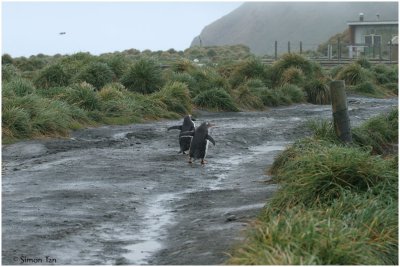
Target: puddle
<point x="150" y="237"/>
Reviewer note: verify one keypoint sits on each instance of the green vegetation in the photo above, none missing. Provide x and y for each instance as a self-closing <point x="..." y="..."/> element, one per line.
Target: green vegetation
<point x="336" y="205"/>
<point x="132" y="86"/>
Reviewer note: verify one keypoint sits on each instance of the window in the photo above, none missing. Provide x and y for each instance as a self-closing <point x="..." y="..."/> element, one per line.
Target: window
<point x="373" y="40"/>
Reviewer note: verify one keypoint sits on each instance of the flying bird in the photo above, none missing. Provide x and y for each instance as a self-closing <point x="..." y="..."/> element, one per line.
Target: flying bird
<point x="62" y="33"/>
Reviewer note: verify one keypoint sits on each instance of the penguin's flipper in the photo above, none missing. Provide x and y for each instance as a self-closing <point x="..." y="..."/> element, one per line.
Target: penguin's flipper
<point x="177" y="127"/>
<point x="209" y="138"/>
<point x="186" y="134"/>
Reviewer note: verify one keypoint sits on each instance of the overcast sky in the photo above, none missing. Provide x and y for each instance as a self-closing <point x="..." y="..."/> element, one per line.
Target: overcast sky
<point x="30" y="28"/>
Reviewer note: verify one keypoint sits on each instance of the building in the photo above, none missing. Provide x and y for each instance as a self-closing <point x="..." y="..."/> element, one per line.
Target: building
<point x="370" y="38"/>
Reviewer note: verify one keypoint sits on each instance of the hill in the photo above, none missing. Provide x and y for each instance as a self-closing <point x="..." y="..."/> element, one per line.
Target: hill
<point x="258" y="24"/>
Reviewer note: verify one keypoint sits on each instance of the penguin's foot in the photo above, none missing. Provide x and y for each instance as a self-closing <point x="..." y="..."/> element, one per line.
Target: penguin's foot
<point x="183" y="152"/>
<point x="203" y="162"/>
<point x="190" y="161"/>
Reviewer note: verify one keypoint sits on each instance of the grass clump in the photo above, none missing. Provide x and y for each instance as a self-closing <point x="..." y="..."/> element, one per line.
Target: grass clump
<point x="176" y="96"/>
<point x="52" y="76"/>
<point x="246" y="99"/>
<point x="97" y="74"/>
<point x="318" y="92"/>
<point x="353" y="74"/>
<point x="215" y="99"/>
<point x="336" y="205"/>
<point x="18" y="87"/>
<point x="143" y="77"/>
<point x="82" y="95"/>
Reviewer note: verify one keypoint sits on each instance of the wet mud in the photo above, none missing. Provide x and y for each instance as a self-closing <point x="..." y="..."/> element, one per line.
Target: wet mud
<point x="123" y="195"/>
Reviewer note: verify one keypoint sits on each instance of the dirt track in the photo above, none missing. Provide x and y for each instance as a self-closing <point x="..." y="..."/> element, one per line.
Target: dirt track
<point x="122" y="194"/>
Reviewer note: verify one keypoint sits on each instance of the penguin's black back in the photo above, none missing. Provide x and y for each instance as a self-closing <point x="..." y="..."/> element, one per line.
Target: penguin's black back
<point x="198" y="145"/>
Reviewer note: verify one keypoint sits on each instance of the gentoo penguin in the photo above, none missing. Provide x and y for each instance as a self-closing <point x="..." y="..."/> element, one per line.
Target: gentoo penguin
<point x="188" y="125"/>
<point x="199" y="144"/>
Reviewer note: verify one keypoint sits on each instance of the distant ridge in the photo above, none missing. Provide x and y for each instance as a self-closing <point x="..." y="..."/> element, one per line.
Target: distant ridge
<point x="258" y="24"/>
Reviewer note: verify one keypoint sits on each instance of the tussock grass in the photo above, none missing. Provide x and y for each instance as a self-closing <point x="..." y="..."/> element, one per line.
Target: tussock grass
<point x="353" y="74"/>
<point x="318" y="92"/>
<point x="215" y="99"/>
<point x="176" y="96"/>
<point x="18" y="87"/>
<point x="246" y="99"/>
<point x="292" y="75"/>
<point x="336" y="204"/>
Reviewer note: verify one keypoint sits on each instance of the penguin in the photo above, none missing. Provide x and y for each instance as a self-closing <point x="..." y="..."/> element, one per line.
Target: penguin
<point x="199" y="143"/>
<point x="188" y="125"/>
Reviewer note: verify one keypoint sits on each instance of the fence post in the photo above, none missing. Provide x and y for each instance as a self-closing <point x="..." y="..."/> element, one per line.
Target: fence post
<point x="338" y="49"/>
<point x="341" y="121"/>
<point x="288" y="47"/>
<point x="301" y="47"/>
<point x="276" y="50"/>
<point x="390" y="51"/>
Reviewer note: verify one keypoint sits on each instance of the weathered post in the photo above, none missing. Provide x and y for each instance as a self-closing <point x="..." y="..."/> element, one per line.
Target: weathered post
<point x="276" y="50"/>
<point x="338" y="49"/>
<point x="390" y="51"/>
<point x="288" y="47"/>
<point x="341" y="121"/>
<point x="301" y="47"/>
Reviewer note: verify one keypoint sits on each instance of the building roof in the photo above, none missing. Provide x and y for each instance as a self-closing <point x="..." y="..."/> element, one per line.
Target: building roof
<point x="379" y="22"/>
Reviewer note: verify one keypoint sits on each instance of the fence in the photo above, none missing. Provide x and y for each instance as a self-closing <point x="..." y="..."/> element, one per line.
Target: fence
<point x="337" y="51"/>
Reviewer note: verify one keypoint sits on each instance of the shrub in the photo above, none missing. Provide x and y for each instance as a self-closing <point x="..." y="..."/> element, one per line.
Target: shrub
<point x="9" y="72"/>
<point x="248" y="69"/>
<point x="353" y="74"/>
<point x="15" y="122"/>
<point x="112" y="91"/>
<point x="176" y="96"/>
<point x="272" y="97"/>
<point x="217" y="99"/>
<point x="185" y="78"/>
<point x="118" y="64"/>
<point x="318" y="92"/>
<point x="183" y="65"/>
<point x="82" y="95"/>
<point x="364" y="63"/>
<point x="384" y="74"/>
<point x="143" y="77"/>
<point x="379" y="132"/>
<point x="366" y="88"/>
<point x="293" y="92"/>
<point x="18" y="87"/>
<point x="52" y="76"/>
<point x="97" y="74"/>
<point x="292" y="75"/>
<point x="319" y="174"/>
<point x="291" y="60"/>
<point x="245" y="98"/>
<point x="207" y="78"/>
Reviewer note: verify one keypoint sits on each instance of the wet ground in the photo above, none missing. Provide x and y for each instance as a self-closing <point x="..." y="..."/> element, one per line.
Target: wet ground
<point x="122" y="194"/>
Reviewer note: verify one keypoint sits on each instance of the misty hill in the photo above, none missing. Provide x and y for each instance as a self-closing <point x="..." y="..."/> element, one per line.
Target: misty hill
<point x="258" y="24"/>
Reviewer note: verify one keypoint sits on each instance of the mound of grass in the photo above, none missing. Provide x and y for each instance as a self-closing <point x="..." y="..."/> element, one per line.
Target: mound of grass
<point x="272" y="97"/>
<point x="293" y="92"/>
<point x="379" y="133"/>
<point x="248" y="69"/>
<point x="353" y="74"/>
<point x="97" y="74"/>
<point x="291" y="61"/>
<point x="176" y="96"/>
<point x="246" y="99"/>
<point x="336" y="204"/>
<point x="52" y="76"/>
<point x="143" y="77"/>
<point x="207" y="78"/>
<point x="9" y="72"/>
<point x="15" y="122"/>
<point x="215" y="99"/>
<point x="18" y="87"/>
<point x="318" y="92"/>
<point x="82" y="95"/>
<point x="112" y="91"/>
<point x="292" y="75"/>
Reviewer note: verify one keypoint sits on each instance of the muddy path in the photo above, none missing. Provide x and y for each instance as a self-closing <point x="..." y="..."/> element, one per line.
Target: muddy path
<point x="122" y="194"/>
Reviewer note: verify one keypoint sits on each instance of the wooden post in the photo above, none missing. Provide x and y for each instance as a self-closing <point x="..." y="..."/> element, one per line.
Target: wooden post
<point x="288" y="47"/>
<point x="340" y="113"/>
<point x="390" y="51"/>
<point x="338" y="49"/>
<point x="301" y="47"/>
<point x="276" y="50"/>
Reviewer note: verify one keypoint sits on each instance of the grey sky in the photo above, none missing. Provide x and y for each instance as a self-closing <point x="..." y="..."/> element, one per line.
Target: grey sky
<point x="30" y="28"/>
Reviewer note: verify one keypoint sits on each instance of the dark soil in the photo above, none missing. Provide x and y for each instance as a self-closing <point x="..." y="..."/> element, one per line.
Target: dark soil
<point x="123" y="195"/>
